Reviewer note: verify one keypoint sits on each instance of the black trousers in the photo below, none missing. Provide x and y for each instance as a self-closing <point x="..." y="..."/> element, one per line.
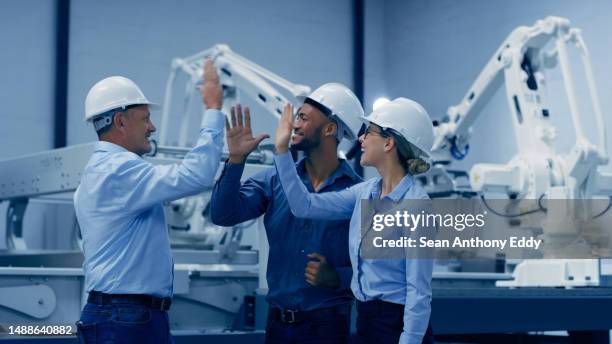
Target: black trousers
<point x="331" y="327"/>
<point x="380" y="322"/>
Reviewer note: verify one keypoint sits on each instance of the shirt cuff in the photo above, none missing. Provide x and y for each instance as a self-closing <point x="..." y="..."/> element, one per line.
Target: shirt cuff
<point x="284" y="160"/>
<point x="345" y="274"/>
<point x="213" y="119"/>
<point x="410" y="338"/>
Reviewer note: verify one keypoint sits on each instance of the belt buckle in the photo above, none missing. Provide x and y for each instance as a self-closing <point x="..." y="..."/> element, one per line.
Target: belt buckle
<point x="166" y="301"/>
<point x="291" y="319"/>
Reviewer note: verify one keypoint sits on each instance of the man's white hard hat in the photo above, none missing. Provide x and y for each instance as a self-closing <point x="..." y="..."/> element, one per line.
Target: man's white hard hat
<point x="112" y="93"/>
<point x="343" y="104"/>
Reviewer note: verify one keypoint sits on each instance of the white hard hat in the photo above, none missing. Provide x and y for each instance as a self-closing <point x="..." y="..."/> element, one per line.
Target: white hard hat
<point x="409" y="119"/>
<point x="112" y="93"/>
<point x="342" y="103"/>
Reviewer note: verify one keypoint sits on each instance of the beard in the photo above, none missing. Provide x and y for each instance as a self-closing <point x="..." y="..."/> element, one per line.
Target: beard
<point x="309" y="142"/>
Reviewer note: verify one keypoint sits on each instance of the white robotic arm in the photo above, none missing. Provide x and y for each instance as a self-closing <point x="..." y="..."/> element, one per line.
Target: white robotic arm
<point x="537" y="171"/>
<point x="519" y="63"/>
<point x="238" y="75"/>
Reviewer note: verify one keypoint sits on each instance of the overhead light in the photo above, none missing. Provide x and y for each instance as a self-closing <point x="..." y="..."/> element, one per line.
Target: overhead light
<point x="379" y="102"/>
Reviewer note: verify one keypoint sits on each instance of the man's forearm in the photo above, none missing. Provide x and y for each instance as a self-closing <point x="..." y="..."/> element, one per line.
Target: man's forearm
<point x="226" y="196"/>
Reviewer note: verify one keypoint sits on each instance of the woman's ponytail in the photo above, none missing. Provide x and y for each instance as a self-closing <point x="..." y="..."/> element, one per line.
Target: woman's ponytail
<point x="408" y="158"/>
<point x="416" y="166"/>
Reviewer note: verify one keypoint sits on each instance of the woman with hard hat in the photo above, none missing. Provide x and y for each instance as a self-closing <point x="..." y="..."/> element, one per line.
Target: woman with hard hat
<point x="393" y="295"/>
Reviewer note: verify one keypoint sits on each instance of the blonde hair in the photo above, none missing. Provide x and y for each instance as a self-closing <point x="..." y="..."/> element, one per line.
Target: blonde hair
<point x="408" y="156"/>
<point x="417" y="166"/>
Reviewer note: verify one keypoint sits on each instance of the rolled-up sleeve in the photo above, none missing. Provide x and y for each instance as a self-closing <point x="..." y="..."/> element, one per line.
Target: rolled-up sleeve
<point x="145" y="184"/>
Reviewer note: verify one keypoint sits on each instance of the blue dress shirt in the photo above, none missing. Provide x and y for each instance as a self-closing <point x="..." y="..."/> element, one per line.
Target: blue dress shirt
<point x="291" y="239"/>
<point x="400" y="281"/>
<point x="119" y="208"/>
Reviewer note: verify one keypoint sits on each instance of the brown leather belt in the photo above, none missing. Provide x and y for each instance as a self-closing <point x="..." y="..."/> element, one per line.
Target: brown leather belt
<point x="160" y="303"/>
<point x="295" y="316"/>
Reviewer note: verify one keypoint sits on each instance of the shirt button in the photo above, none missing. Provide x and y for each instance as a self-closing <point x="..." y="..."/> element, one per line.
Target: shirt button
<point x="302" y="251"/>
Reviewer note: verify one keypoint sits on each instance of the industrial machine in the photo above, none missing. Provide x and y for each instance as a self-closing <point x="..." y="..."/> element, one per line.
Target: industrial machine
<point x="537" y="173"/>
<point x="216" y="271"/>
<point x="239" y="78"/>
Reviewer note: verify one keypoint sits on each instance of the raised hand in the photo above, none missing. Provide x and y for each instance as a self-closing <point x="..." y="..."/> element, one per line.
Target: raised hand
<point x="284" y="129"/>
<point x="240" y="140"/>
<point x="212" y="93"/>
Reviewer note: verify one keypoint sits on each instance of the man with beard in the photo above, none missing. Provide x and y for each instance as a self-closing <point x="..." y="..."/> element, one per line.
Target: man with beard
<point x="309" y="270"/>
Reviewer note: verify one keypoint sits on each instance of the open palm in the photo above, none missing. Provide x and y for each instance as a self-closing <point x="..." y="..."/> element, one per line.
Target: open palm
<point x="239" y="135"/>
<point x="284" y="129"/>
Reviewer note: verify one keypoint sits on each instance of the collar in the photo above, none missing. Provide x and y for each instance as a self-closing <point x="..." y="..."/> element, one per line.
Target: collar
<point x="398" y="192"/>
<point x="105" y="146"/>
<point x="343" y="170"/>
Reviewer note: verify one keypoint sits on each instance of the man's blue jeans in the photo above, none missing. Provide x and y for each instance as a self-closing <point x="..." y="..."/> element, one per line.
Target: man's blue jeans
<point x="123" y="323"/>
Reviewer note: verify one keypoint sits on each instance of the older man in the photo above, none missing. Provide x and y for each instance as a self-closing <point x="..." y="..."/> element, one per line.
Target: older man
<point x="128" y="263"/>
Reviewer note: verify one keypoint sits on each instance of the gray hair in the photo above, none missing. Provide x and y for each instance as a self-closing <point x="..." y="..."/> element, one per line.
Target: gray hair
<point x="104" y="121"/>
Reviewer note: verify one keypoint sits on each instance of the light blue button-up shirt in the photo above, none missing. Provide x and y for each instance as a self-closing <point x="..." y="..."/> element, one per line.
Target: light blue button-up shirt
<point x="119" y="208"/>
<point x="400" y="281"/>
